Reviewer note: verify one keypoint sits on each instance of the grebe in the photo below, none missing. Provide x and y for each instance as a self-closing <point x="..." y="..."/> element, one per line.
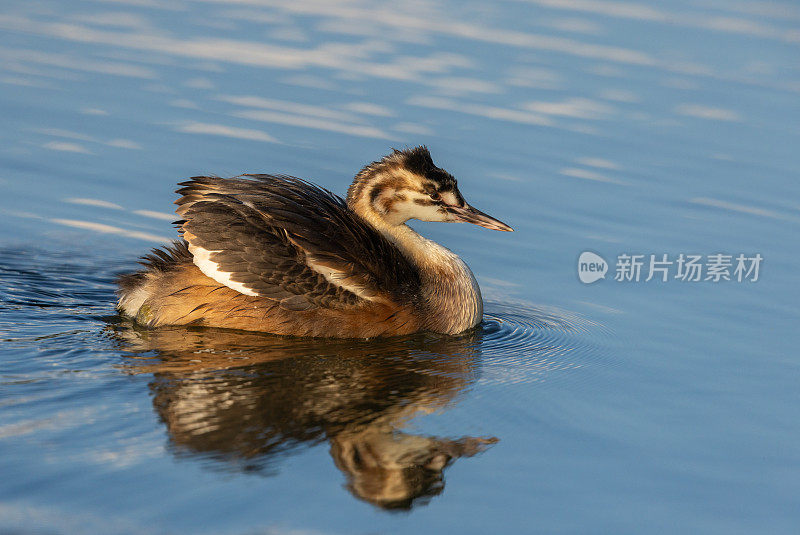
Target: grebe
<point x="278" y="254"/>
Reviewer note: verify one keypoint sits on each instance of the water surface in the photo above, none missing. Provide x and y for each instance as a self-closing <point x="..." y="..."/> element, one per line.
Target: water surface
<point x="611" y="127"/>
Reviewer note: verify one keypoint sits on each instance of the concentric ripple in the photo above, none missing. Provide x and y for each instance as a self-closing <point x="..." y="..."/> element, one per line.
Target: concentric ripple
<point x="528" y="343"/>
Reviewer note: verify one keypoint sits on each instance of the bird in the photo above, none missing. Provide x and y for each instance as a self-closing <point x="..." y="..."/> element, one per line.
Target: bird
<point x="278" y="254"/>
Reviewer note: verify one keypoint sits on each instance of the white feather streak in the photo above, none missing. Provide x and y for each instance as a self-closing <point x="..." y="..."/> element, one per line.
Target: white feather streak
<point x="202" y="259"/>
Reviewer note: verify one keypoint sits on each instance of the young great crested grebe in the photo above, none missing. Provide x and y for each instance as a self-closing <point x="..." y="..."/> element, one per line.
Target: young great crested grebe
<point x="280" y="255"/>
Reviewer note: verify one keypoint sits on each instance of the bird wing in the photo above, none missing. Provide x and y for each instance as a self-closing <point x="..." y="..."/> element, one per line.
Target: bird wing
<point x="285" y="239"/>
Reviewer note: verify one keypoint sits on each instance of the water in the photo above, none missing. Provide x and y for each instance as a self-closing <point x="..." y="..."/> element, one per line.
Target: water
<point x="617" y="128"/>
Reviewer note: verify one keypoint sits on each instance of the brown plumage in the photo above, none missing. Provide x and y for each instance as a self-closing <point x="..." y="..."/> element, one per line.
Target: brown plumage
<point x="281" y="255"/>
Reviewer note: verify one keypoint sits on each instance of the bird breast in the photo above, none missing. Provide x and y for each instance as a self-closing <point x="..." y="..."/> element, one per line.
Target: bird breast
<point x="451" y="296"/>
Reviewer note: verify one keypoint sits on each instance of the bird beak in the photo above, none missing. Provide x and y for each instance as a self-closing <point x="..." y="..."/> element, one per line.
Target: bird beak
<point x="468" y="214"/>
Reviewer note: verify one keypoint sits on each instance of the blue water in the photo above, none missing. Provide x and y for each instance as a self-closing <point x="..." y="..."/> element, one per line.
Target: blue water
<point x="620" y="128"/>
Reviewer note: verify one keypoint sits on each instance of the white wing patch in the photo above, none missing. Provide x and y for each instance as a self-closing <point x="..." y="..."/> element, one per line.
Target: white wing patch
<point x="202" y="259"/>
<point x="340" y="279"/>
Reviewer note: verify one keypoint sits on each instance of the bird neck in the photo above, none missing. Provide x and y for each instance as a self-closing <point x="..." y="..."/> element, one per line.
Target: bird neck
<point x="430" y="257"/>
<point x="449" y="290"/>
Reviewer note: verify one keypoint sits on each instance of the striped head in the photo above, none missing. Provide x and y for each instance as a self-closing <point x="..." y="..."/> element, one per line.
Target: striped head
<point x="408" y="185"/>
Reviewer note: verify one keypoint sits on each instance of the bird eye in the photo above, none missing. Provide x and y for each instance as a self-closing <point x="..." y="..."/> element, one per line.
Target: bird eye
<point x="435" y="196"/>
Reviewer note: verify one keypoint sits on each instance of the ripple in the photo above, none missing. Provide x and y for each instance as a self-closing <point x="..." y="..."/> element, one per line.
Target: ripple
<point x="525" y="343"/>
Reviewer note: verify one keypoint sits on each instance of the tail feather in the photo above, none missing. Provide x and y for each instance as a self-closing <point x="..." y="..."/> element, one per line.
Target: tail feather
<point x="134" y="288"/>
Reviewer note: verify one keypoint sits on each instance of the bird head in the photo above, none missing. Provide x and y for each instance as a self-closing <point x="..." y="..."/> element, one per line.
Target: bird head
<point x="408" y="185"/>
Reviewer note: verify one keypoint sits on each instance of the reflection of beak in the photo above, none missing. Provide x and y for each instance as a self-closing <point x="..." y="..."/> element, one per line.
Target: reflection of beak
<point x="468" y="214"/>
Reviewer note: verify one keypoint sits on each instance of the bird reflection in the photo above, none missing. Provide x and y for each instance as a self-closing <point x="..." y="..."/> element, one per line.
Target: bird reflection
<point x="245" y="399"/>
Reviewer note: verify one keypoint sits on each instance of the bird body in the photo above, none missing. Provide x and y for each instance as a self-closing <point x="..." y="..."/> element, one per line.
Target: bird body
<point x="281" y="255"/>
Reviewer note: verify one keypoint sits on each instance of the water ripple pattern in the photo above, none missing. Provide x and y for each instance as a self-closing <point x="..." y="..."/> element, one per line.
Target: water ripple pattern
<point x="528" y="343"/>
